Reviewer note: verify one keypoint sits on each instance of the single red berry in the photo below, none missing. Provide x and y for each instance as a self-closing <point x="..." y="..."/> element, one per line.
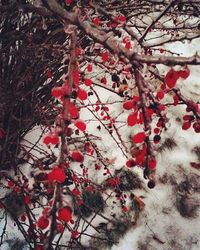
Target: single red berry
<point x="186" y="125"/>
<point x="96" y="21"/>
<point x="88" y="82"/>
<point x="42" y="222"/>
<point x="139" y="137"/>
<point x="130" y="163"/>
<point x="89" y="68"/>
<point x="104" y="80"/>
<point x="171" y="78"/>
<point x="80" y="125"/>
<point x="184" y="73"/>
<point x="128" y="105"/>
<point x="65" y="214"/>
<point x="54" y="139"/>
<point x="77" y="156"/>
<point x="160" y="94"/>
<point x="47" y="139"/>
<point x="105" y="56"/>
<point x="121" y="18"/>
<point x="152" y="163"/>
<point x="82" y="94"/>
<point x="56" y="92"/>
<point x="57" y="174"/>
<point x="76" y="192"/>
<point x="161" y="51"/>
<point x="132" y="119"/>
<point x="73" y="111"/>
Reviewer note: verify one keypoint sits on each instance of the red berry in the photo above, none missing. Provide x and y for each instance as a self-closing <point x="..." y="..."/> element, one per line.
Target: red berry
<point x="184" y="73"/>
<point x="47" y="139"/>
<point x="171" y="78"/>
<point x="121" y="18"/>
<point x="82" y="94"/>
<point x="42" y="222"/>
<point x="161" y="51"/>
<point x="76" y="192"/>
<point x="128" y="105"/>
<point x="54" y="139"/>
<point x="186" y="125"/>
<point x="56" y="92"/>
<point x="77" y="156"/>
<point x="132" y="119"/>
<point x="57" y="174"/>
<point x="105" y="56"/>
<point x="96" y="21"/>
<point x="65" y="214"/>
<point x="73" y="110"/>
<point x="160" y="95"/>
<point x="88" y="82"/>
<point x="152" y="163"/>
<point x="130" y="163"/>
<point x="89" y="68"/>
<point x="80" y="125"/>
<point x="139" y="137"/>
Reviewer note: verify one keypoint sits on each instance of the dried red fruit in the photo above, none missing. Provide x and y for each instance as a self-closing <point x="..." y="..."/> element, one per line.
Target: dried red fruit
<point x="103" y="80"/>
<point x="57" y="174"/>
<point x="125" y="209"/>
<point x="160" y="95"/>
<point x="96" y="21"/>
<point x="82" y="94"/>
<point x="132" y="119"/>
<point x="130" y="163"/>
<point x="128" y="105"/>
<point x="88" y="82"/>
<point x="113" y="182"/>
<point x="77" y="156"/>
<point x="139" y="137"/>
<point x="128" y="45"/>
<point x="105" y="56"/>
<point x="80" y="125"/>
<point x="76" y="192"/>
<point x="54" y="139"/>
<point x="42" y="222"/>
<point x="56" y="92"/>
<point x="184" y="73"/>
<point x="171" y="78"/>
<point x="161" y="51"/>
<point x="89" y="68"/>
<point x="65" y="214"/>
<point x="121" y="18"/>
<point x="186" y="125"/>
<point x="152" y="163"/>
<point x="176" y="100"/>
<point x="73" y="111"/>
